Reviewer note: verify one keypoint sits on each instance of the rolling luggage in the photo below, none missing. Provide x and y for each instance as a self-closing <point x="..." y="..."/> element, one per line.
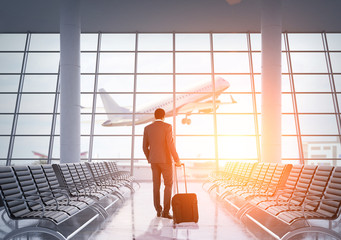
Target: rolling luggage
<point x="185" y="205"/>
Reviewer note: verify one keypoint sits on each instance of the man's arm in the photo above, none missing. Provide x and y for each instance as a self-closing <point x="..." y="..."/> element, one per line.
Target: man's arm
<point x="146" y="144"/>
<point x="171" y="146"/>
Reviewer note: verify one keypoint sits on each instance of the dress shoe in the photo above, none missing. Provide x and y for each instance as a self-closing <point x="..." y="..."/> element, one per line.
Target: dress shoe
<point x="159" y="213"/>
<point x="167" y="215"/>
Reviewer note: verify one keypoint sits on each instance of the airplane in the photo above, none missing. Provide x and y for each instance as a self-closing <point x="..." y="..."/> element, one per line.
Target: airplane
<point x="184" y="103"/>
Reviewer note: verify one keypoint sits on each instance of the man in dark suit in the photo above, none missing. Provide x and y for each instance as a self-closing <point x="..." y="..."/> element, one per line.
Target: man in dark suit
<point x="159" y="148"/>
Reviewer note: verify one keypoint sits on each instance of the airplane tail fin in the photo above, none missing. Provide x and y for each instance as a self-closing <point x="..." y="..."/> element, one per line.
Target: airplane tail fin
<point x="110" y="106"/>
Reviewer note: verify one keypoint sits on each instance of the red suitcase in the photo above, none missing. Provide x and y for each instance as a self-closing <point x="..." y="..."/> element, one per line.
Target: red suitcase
<point x="185" y="205"/>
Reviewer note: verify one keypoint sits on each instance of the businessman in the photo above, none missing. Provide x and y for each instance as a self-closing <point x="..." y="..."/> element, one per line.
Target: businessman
<point x="159" y="148"/>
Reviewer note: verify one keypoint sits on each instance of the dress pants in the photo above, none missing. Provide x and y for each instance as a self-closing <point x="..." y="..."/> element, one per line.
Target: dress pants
<point x="166" y="169"/>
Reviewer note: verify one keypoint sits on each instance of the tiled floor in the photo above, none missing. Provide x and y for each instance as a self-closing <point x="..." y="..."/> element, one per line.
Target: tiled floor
<point x="136" y="219"/>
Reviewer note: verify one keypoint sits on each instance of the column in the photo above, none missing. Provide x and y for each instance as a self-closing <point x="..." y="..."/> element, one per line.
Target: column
<point x="271" y="29"/>
<point x="70" y="81"/>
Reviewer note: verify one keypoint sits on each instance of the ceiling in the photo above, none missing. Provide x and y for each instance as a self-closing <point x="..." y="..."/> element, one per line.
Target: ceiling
<point x="169" y="16"/>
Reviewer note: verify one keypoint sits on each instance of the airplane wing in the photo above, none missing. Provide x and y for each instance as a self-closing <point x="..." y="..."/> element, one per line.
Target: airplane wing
<point x="203" y="107"/>
<point x="39" y="154"/>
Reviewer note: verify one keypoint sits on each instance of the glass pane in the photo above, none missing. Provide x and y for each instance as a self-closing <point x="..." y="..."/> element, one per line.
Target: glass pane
<point x="86" y="103"/>
<point x="10" y="100"/>
<point x="334" y="41"/>
<point x="290" y="147"/>
<point x="40" y="83"/>
<point x="89" y="42"/>
<point x="312" y="83"/>
<point x="9" y="83"/>
<point x="12" y="42"/>
<point x="195" y="147"/>
<point x="315" y="103"/>
<point x="138" y="153"/>
<point x="336" y="62"/>
<point x="337" y="81"/>
<point x="257" y="63"/>
<point x="288" y="124"/>
<point x="318" y="124"/>
<point x="193" y="63"/>
<point x="231" y="63"/>
<point x="256" y="41"/>
<point x="2" y="162"/>
<point x="37" y="103"/>
<point x="230" y="42"/>
<point x="238" y="83"/>
<point x="122" y="100"/>
<point x="287" y="105"/>
<point x="88" y="62"/>
<point x="116" y="83"/>
<point x="155" y="42"/>
<point x="119" y="119"/>
<point x="286" y="83"/>
<point x="25" y="147"/>
<point x="117" y="63"/>
<point x="11" y="62"/>
<point x="118" y="42"/>
<point x="4" y="142"/>
<point x="243" y="105"/>
<point x="305" y="42"/>
<point x="42" y="63"/>
<point x="112" y="147"/>
<point x="235" y="124"/>
<point x="87" y="83"/>
<point x="85" y="124"/>
<point x="192" y="42"/>
<point x="321" y="147"/>
<point x="196" y="126"/>
<point x="44" y="42"/>
<point x="308" y="63"/>
<point x="237" y="147"/>
<point x="155" y="63"/>
<point x="258" y="83"/>
<point x="6" y="122"/>
<point x="34" y="124"/>
<point x="186" y="83"/>
<point x="154" y="83"/>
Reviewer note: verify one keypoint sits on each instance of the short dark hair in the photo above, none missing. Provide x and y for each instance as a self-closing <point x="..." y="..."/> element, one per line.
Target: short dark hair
<point x="159" y="113"/>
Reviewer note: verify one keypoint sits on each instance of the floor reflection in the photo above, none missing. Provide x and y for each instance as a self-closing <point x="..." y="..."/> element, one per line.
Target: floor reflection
<point x="136" y="219"/>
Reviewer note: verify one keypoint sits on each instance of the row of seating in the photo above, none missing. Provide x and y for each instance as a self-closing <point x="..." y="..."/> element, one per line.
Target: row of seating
<point x="281" y="199"/>
<point x="60" y="200"/>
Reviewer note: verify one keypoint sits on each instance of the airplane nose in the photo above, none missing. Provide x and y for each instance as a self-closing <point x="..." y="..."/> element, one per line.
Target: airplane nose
<point x="221" y="81"/>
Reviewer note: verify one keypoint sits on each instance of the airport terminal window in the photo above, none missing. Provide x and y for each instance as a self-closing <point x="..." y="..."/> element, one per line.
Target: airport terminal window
<point x="170" y="67"/>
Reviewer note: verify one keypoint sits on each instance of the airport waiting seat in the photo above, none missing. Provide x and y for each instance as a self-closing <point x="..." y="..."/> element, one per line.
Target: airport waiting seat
<point x="281" y="199"/>
<point x="22" y="200"/>
<point x="119" y="174"/>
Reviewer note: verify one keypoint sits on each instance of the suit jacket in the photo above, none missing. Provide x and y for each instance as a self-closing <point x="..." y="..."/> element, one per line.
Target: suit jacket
<point x="158" y="144"/>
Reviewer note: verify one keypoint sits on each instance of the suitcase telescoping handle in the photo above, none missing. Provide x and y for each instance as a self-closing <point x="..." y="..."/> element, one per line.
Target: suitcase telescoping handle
<point x="176" y="178"/>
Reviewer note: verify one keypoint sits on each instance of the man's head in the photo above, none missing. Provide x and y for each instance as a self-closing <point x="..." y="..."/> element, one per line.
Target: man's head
<point x="159" y="113"/>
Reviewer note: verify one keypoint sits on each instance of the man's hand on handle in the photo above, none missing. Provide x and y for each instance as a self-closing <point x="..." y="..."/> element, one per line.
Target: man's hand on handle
<point x="178" y="164"/>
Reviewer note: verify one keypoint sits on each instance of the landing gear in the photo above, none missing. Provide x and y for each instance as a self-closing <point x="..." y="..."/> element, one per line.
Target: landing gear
<point x="186" y="121"/>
